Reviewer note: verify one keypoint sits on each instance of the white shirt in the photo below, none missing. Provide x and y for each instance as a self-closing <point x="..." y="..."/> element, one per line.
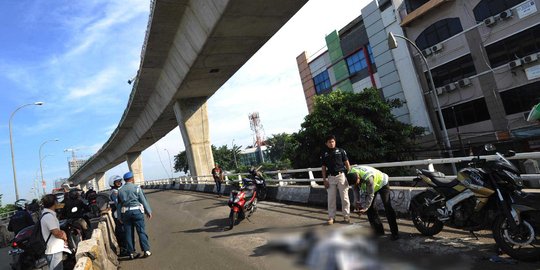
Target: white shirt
<point x="50" y="222"/>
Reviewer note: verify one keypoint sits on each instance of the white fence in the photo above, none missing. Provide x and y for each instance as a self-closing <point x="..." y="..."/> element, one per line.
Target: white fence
<point x="277" y="176"/>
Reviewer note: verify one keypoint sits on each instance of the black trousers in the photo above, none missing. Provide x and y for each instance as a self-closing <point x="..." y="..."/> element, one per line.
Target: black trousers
<point x="373" y="216"/>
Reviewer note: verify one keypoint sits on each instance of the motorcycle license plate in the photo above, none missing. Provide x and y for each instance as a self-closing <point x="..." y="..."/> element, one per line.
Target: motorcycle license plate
<point x="16" y="251"/>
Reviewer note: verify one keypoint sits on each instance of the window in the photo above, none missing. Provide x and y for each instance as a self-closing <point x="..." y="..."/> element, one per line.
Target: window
<point x="465" y="113"/>
<point x="488" y="8"/>
<point x="322" y="82"/>
<point x="411" y="5"/>
<point x="356" y="62"/>
<point x="453" y="71"/>
<point x="521" y="99"/>
<point x="438" y="32"/>
<point x="514" y="47"/>
<point x="370" y="52"/>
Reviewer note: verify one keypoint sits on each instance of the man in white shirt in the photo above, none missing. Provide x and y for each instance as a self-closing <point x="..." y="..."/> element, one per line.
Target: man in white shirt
<point x="50" y="229"/>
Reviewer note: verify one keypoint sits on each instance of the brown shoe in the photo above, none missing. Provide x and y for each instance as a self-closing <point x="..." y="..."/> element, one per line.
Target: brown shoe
<point x="347" y="219"/>
<point x="330" y="221"/>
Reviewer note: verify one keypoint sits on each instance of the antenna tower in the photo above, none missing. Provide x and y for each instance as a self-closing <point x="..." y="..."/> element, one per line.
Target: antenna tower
<point x="258" y="130"/>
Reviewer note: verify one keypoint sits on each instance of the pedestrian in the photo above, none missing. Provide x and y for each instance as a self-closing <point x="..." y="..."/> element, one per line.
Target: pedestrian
<point x="335" y="165"/>
<point x="115" y="182"/>
<point x="372" y="182"/>
<point x="217" y="173"/>
<point x="21" y="219"/>
<point x="132" y="206"/>
<point x="55" y="238"/>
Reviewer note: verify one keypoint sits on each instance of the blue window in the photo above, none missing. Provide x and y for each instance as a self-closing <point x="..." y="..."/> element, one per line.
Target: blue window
<point x="370" y="52"/>
<point x="438" y="32"/>
<point x="322" y="82"/>
<point x="488" y="8"/>
<point x="356" y="62"/>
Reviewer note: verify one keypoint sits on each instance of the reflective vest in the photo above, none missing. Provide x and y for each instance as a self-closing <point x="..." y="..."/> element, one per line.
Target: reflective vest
<point x="365" y="172"/>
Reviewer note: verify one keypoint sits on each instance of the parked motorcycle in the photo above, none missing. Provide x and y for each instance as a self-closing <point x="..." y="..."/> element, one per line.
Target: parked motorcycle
<point x="242" y="201"/>
<point x="485" y="195"/>
<point x="260" y="182"/>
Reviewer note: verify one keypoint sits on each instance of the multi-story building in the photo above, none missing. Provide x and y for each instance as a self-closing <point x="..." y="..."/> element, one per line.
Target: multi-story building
<point x="254" y="155"/>
<point x="483" y="55"/>
<point x="75" y="164"/>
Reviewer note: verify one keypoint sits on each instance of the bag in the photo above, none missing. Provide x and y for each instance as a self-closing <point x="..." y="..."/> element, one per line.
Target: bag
<point x="36" y="245"/>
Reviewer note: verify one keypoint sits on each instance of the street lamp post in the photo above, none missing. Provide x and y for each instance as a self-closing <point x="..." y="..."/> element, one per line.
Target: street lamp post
<point x="392" y="44"/>
<point x="234" y="154"/>
<point x="39" y="103"/>
<point x="170" y="162"/>
<point x="41" y="161"/>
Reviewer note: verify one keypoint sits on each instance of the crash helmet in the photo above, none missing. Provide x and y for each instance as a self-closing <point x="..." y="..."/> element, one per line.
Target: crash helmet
<point x="113" y="179"/>
<point x="74" y="194"/>
<point x="21" y="204"/>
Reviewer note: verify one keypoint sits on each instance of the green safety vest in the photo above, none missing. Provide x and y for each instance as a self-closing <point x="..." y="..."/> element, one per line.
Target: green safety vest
<point x="365" y="172"/>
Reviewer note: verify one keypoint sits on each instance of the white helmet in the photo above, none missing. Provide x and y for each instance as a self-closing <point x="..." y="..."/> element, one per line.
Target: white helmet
<point x="21" y="203"/>
<point x="113" y="179"/>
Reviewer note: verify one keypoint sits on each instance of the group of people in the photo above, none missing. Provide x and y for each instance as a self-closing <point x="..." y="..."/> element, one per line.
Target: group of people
<point x="339" y="175"/>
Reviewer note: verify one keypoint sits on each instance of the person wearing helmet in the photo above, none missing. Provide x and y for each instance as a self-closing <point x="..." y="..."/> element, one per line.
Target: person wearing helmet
<point x="115" y="182"/>
<point x="21" y="219"/>
<point x="372" y="182"/>
<point x="75" y="208"/>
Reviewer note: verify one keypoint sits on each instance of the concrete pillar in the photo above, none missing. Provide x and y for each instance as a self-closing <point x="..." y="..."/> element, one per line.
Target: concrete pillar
<point x="100" y="181"/>
<point x="192" y="117"/>
<point x="134" y="161"/>
<point x="82" y="186"/>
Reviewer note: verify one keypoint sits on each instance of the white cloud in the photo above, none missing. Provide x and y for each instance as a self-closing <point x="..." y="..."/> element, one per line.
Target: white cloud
<point x="94" y="85"/>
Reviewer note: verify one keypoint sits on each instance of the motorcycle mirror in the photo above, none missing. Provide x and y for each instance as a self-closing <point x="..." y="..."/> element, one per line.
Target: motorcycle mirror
<point x="510" y="153"/>
<point x="489" y="147"/>
<point x="74" y="209"/>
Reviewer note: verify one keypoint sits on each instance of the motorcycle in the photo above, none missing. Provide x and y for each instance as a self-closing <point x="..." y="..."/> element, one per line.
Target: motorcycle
<point x="485" y="195"/>
<point x="242" y="201"/>
<point x="260" y="182"/>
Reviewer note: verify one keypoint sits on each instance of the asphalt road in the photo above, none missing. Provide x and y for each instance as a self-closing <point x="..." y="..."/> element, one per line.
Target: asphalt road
<point x="189" y="231"/>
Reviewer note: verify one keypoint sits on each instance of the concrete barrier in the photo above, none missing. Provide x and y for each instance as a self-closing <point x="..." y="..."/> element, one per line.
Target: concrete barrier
<point x="100" y="251"/>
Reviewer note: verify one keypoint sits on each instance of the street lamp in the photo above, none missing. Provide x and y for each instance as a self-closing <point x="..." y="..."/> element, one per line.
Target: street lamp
<point x="392" y="44"/>
<point x="170" y="162"/>
<point x="39" y="103"/>
<point x="234" y="154"/>
<point x="41" y="161"/>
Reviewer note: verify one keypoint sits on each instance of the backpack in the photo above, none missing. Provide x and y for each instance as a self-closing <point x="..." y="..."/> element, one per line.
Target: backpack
<point x="36" y="246"/>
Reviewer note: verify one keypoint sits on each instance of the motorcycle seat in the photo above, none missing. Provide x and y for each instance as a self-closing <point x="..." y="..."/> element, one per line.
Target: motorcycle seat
<point x="439" y="179"/>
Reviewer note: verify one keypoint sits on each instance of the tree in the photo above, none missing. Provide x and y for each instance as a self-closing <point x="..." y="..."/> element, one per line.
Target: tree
<point x="282" y="147"/>
<point x="222" y="155"/>
<point x="363" y="125"/>
<point x="181" y="162"/>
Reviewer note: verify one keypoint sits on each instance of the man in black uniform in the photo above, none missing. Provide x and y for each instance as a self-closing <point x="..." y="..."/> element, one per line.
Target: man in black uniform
<point x="335" y="164"/>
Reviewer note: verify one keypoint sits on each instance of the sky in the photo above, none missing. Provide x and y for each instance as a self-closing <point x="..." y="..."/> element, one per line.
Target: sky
<point x="77" y="56"/>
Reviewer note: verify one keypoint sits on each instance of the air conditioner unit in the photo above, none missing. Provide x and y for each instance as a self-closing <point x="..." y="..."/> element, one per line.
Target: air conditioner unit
<point x="450" y="87"/>
<point x="515" y="63"/>
<point x="464" y="82"/>
<point x="436" y="48"/>
<point x="490" y="21"/>
<point x="530" y="58"/>
<point x="507" y="14"/>
<point x="439" y="90"/>
<point x="427" y="52"/>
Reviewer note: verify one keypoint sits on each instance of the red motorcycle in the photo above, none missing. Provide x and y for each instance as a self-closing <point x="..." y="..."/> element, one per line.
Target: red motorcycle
<point x="242" y="201"/>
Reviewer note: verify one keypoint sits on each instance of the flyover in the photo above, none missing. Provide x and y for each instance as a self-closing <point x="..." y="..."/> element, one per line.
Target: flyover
<point x="191" y="48"/>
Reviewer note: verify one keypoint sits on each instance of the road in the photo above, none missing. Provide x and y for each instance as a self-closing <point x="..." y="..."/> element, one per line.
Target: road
<point x="189" y="231"/>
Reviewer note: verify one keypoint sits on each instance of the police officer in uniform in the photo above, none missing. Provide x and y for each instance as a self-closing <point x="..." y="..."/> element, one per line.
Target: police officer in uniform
<point x="335" y="165"/>
<point x="132" y="206"/>
<point x="372" y="182"/>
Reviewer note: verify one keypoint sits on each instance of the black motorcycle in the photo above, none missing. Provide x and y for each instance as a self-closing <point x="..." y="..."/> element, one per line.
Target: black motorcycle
<point x="485" y="195"/>
<point x="260" y="182"/>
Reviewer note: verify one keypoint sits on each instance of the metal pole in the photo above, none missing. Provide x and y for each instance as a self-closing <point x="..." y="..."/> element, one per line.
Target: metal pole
<point x="234" y="154"/>
<point x="446" y="139"/>
<point x="170" y="162"/>
<point x="41" y="162"/>
<point x="11" y="146"/>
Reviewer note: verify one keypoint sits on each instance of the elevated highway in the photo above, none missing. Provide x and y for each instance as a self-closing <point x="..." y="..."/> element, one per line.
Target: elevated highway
<point x="192" y="47"/>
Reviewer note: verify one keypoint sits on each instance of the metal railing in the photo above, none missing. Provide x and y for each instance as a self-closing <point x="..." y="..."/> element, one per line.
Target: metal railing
<point x="5" y="216"/>
<point x="277" y="176"/>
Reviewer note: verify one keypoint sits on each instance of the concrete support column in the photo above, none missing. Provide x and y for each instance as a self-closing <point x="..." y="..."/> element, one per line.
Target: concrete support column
<point x="192" y="117"/>
<point x="100" y="181"/>
<point x="83" y="186"/>
<point x="134" y="161"/>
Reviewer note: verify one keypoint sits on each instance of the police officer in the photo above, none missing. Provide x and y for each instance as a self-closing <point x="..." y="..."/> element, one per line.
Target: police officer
<point x="372" y="182"/>
<point x="335" y="165"/>
<point x="132" y="206"/>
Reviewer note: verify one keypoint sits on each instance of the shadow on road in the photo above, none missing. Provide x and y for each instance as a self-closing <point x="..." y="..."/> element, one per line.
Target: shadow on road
<point x="215" y="225"/>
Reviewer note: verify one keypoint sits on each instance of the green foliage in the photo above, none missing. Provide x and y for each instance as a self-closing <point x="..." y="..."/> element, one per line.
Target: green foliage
<point x="282" y="148"/>
<point x="180" y="162"/>
<point x="363" y="125"/>
<point x="223" y="155"/>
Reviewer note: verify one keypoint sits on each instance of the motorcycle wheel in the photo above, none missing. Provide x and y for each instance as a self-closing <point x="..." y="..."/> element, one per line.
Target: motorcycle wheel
<point x="521" y="243"/>
<point x="233" y="218"/>
<point x="424" y="219"/>
<point x="261" y="194"/>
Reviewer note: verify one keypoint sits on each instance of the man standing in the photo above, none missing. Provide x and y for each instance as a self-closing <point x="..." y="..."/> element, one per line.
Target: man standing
<point x="335" y="164"/>
<point x="132" y="206"/>
<point x="373" y="182"/>
<point x="50" y="230"/>
<point x="217" y="173"/>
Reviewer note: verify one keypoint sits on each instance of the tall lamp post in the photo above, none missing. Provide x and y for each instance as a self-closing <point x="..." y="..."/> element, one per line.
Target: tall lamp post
<point x="41" y="161"/>
<point x="392" y="44"/>
<point x="39" y="103"/>
<point x="170" y="162"/>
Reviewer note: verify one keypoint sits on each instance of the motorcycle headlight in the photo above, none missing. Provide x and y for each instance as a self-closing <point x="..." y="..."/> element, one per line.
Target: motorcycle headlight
<point x="237" y="199"/>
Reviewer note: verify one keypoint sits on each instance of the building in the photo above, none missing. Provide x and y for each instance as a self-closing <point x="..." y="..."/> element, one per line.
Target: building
<point x="254" y="155"/>
<point x="483" y="55"/>
<point x="358" y="57"/>
<point x="75" y="164"/>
